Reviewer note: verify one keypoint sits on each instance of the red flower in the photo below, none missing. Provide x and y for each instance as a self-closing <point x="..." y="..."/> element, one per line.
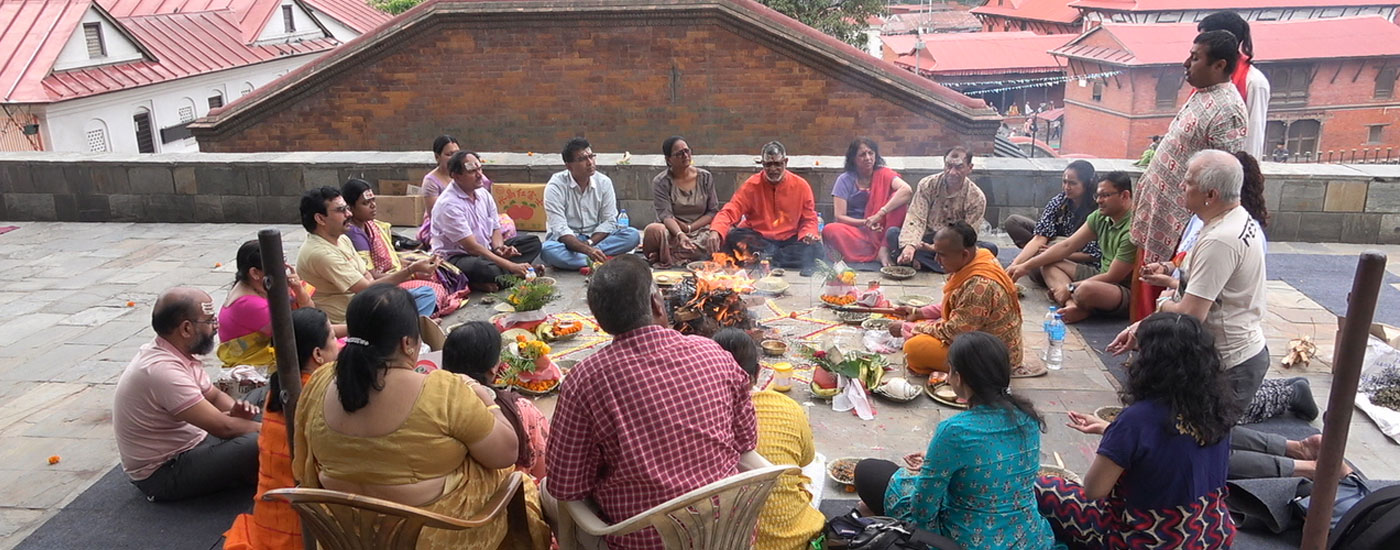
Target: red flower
<point x="585" y="271"/>
<point x="819" y="354"/>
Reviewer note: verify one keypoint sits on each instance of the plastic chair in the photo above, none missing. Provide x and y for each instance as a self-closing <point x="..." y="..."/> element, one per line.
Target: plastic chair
<point x="718" y="516"/>
<point x="346" y="521"/>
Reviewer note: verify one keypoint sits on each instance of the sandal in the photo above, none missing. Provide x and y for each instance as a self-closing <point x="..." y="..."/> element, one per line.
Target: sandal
<point x="1024" y="371"/>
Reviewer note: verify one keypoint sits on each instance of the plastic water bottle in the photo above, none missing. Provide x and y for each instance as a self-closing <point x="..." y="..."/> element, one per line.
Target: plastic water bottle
<point x="530" y="273"/>
<point x="622" y="219"/>
<point x="1054" y="355"/>
<point x="821" y="224"/>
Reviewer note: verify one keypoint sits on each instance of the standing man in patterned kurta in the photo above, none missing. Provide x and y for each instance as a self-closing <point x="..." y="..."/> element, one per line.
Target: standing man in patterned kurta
<point x="649" y="417"/>
<point x="978" y="296"/>
<point x="1213" y="118"/>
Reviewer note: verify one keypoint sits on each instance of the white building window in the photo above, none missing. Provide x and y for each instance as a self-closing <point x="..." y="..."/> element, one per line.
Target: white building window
<point x="246" y="89"/>
<point x="289" y="22"/>
<point x="145" y="139"/>
<point x="187" y="111"/>
<point x="96" y="48"/>
<point x="216" y="100"/>
<point x="96" y="134"/>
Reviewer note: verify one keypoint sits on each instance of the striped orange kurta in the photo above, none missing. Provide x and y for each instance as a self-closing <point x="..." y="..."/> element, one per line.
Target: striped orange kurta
<point x="272" y="525"/>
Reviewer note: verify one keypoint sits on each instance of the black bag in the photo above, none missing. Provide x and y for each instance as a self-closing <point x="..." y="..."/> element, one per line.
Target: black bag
<point x="853" y="532"/>
<point x="1371" y="524"/>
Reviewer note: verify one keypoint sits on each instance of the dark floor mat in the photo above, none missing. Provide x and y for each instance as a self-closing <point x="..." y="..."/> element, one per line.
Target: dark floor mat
<point x="1327" y="280"/>
<point x="1098" y="333"/>
<point x="113" y="514"/>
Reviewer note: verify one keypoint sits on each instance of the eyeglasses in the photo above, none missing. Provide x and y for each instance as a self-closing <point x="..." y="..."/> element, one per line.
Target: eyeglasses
<point x="211" y="322"/>
<point x="582" y="158"/>
<point x="681" y="153"/>
<point x="1106" y="195"/>
<point x="343" y="209"/>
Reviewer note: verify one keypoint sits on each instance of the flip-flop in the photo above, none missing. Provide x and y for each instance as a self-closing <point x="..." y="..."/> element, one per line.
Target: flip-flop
<point x="1026" y="372"/>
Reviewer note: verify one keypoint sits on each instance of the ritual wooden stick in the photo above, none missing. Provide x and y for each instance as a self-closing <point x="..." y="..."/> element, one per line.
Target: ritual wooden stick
<point x="859" y="309"/>
<point x="1346" y="374"/>
<point x="284" y="340"/>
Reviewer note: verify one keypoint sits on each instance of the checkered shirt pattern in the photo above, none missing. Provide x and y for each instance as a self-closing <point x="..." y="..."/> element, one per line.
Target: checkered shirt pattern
<point x="651" y="416"/>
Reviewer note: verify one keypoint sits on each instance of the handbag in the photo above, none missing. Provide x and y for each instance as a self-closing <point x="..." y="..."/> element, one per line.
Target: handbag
<point x="855" y="532"/>
<point x="1350" y="490"/>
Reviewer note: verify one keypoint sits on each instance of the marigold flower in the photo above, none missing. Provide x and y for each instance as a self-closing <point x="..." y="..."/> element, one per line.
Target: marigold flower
<point x="54" y="460"/>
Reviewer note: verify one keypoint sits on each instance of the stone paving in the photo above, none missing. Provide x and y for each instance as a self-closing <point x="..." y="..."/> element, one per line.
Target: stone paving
<point x="77" y="301"/>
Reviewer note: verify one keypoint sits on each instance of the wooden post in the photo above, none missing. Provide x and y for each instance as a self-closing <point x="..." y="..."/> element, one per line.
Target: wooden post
<point x="1346" y="374"/>
<point x="284" y="339"/>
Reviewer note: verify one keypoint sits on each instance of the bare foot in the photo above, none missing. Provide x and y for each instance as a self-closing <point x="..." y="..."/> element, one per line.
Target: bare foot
<point x="1310" y="447"/>
<point x="1072" y="313"/>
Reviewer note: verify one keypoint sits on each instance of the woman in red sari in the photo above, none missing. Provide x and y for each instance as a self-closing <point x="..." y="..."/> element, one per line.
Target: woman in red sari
<point x="867" y="200"/>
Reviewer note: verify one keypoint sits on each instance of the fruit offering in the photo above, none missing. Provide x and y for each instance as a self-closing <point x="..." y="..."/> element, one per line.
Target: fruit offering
<point x="842" y="300"/>
<point x="558" y="330"/>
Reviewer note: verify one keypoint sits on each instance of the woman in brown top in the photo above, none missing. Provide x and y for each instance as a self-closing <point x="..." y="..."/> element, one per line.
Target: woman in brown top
<point x="685" y="202"/>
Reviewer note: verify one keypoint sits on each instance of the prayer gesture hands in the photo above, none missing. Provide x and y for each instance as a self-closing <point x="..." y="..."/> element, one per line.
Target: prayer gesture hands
<point x="1087" y="423"/>
<point x="244" y="410"/>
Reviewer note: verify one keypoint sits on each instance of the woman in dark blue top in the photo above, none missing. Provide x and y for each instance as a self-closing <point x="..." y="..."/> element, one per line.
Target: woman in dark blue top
<point x="1159" y="478"/>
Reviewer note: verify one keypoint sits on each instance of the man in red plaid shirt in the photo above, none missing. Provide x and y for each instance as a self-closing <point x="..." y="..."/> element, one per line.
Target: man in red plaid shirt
<point x="649" y="417"/>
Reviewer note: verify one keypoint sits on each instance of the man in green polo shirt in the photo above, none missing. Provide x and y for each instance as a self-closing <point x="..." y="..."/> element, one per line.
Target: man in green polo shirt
<point x="1080" y="291"/>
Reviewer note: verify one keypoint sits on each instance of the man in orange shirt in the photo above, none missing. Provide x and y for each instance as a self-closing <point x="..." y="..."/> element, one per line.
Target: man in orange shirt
<point x="773" y="213"/>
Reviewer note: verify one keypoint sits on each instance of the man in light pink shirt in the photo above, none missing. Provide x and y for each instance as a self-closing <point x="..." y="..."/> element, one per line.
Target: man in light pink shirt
<point x="466" y="229"/>
<point x="178" y="435"/>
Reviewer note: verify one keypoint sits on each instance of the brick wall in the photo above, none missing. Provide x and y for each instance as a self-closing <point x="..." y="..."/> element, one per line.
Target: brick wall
<point x="625" y="81"/>
<point x="1309" y="202"/>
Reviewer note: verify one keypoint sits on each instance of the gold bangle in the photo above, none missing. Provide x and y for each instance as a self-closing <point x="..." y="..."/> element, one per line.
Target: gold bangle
<point x="493" y="407"/>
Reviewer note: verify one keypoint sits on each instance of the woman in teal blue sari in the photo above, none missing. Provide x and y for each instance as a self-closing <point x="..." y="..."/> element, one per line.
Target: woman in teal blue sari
<point x="976" y="482"/>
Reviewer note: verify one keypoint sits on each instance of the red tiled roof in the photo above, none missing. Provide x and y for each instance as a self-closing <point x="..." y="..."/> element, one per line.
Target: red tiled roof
<point x="1180" y="5"/>
<point x="986" y="53"/>
<point x="935" y="21"/>
<point x="1273" y="41"/>
<point x="179" y="38"/>
<point x="356" y="14"/>
<point x="1054" y="11"/>
<point x="185" y="44"/>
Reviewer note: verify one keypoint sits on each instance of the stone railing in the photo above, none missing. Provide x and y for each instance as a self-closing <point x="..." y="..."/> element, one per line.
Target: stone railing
<point x="1308" y="202"/>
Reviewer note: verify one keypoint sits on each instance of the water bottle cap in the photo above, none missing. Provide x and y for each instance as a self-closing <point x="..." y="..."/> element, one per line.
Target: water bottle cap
<point x="1058" y="317"/>
<point x="1054" y="308"/>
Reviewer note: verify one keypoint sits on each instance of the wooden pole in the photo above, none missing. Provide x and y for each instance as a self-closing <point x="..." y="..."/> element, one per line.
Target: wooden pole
<point x="284" y="340"/>
<point x="1346" y="374"/>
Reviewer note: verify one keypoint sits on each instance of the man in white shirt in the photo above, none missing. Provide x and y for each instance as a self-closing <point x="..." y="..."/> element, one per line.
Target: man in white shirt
<point x="581" y="213"/>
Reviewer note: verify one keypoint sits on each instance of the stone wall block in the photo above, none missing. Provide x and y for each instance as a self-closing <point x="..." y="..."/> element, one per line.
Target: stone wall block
<point x="1303" y="195"/>
<point x="93" y="208"/>
<point x="318" y="177"/>
<point x="186" y="180"/>
<point x="1361" y="228"/>
<point x="1320" y="227"/>
<point x="284" y="182"/>
<point x="1345" y="196"/>
<point x="209" y="209"/>
<point x="15" y="178"/>
<point x="257" y="177"/>
<point x="1383" y="196"/>
<point x="151" y="180"/>
<point x="171" y="208"/>
<point x="49" y="178"/>
<point x="1283" y="226"/>
<point x="79" y="178"/>
<point x="30" y="206"/>
<point x="1389" y="232"/>
<point x="110" y="180"/>
<point x="65" y="206"/>
<point x="1273" y="193"/>
<point x="240" y="209"/>
<point x="278" y="210"/>
<point x="222" y="181"/>
<point x="127" y="208"/>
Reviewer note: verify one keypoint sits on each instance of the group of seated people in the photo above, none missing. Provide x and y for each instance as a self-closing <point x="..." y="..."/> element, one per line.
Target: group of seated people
<point x="654" y="413"/>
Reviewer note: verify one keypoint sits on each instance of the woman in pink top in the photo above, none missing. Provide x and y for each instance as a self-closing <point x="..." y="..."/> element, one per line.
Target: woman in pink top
<point x="438" y="179"/>
<point x="245" y="323"/>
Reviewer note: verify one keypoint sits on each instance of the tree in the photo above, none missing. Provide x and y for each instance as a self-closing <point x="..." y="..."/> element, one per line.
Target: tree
<point x="843" y="19"/>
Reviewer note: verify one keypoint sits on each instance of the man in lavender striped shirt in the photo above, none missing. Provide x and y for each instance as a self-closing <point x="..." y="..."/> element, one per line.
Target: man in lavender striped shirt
<point x="466" y="229"/>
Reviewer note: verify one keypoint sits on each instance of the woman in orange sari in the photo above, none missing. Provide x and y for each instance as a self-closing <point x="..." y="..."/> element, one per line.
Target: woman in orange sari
<point x="867" y="200"/>
<point x="273" y="525"/>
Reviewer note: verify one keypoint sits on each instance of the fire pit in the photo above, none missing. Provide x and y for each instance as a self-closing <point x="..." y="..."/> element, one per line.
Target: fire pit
<point x="712" y="298"/>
